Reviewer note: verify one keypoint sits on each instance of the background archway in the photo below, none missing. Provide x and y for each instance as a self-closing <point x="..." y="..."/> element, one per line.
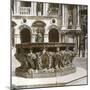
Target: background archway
<point x="40" y="30"/>
<point x="53" y="35"/>
<point x="25" y="35"/>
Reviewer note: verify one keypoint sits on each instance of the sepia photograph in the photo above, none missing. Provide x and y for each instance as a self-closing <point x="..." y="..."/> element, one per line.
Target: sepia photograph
<point x="49" y="44"/>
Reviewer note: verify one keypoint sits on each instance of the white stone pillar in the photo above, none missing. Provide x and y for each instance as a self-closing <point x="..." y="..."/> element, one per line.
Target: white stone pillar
<point x="63" y="38"/>
<point x="46" y="38"/>
<point x="78" y="19"/>
<point x="13" y="51"/>
<point x="66" y="39"/>
<point x="63" y="18"/>
<point x="47" y="6"/>
<point x="33" y="34"/>
<point x="66" y="16"/>
<point x="33" y="38"/>
<point x="18" y="7"/>
<point x="31" y="13"/>
<point x="45" y="9"/>
<point x="34" y="8"/>
<point x="76" y="46"/>
<point x="17" y="39"/>
<point x="17" y="35"/>
<point x="59" y="37"/>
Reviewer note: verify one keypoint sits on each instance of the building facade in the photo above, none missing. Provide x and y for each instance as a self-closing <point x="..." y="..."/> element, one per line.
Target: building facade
<point x="37" y="22"/>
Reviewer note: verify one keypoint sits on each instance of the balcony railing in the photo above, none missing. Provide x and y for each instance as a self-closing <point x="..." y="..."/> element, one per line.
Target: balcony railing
<point x="25" y="10"/>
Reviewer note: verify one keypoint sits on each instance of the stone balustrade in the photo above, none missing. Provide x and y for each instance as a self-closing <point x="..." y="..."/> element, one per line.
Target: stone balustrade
<point x="25" y="10"/>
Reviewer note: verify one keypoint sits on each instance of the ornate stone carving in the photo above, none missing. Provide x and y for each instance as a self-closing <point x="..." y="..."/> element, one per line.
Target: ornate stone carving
<point x="37" y="63"/>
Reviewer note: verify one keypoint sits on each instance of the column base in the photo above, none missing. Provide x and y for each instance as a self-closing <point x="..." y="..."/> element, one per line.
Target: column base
<point x="78" y="28"/>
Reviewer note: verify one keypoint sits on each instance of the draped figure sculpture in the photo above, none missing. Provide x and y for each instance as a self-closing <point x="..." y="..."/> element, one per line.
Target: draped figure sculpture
<point x="45" y="59"/>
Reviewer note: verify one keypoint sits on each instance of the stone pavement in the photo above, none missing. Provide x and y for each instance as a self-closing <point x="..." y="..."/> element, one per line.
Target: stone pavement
<point x="81" y="62"/>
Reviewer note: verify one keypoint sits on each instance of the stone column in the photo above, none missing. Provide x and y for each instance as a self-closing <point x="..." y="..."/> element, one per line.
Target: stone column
<point x="64" y="14"/>
<point x="15" y="7"/>
<point x="46" y="38"/>
<point x="66" y="39"/>
<point x="17" y="39"/>
<point x="78" y="19"/>
<point x="31" y="13"/>
<point x="17" y="35"/>
<point x="34" y="8"/>
<point x="74" y="16"/>
<point x="45" y="9"/>
<point x="62" y="38"/>
<point x="47" y="6"/>
<point x="18" y="7"/>
<point x="59" y="37"/>
<point x="13" y="51"/>
<point x="78" y="44"/>
<point x="33" y="34"/>
<point x="33" y="38"/>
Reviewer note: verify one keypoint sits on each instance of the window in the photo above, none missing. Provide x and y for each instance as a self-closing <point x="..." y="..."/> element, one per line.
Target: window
<point x="53" y="8"/>
<point x="39" y="8"/>
<point x="54" y="5"/>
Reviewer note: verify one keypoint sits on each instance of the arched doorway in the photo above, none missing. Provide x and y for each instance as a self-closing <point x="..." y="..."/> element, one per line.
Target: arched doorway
<point x="25" y="35"/>
<point x="53" y="35"/>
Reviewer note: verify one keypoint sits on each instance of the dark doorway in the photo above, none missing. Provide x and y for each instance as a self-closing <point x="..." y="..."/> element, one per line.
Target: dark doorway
<point x="53" y="35"/>
<point x="25" y="36"/>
